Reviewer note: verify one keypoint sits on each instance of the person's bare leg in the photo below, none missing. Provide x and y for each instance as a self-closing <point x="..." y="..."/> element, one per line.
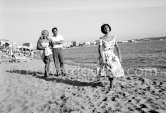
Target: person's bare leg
<point x="111" y="80"/>
<point x="99" y="71"/>
<point x="47" y="66"/>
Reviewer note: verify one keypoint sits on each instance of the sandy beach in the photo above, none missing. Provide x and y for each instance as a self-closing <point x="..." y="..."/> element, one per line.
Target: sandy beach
<point x="23" y="90"/>
<point x="125" y="39"/>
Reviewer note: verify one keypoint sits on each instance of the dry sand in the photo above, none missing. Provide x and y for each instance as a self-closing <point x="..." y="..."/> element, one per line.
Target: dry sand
<point x="23" y="91"/>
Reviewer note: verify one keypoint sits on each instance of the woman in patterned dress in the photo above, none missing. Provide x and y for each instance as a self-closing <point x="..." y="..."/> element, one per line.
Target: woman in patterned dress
<point x="109" y="63"/>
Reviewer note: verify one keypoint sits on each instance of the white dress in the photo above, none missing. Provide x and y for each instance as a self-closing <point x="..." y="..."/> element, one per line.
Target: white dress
<point x="113" y="64"/>
<point x="47" y="50"/>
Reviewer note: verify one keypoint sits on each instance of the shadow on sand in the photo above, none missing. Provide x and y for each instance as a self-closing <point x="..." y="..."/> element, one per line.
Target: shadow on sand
<point x="64" y="79"/>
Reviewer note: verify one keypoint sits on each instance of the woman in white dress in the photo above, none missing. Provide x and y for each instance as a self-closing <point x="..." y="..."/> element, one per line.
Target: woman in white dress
<point x="44" y="45"/>
<point x="109" y="63"/>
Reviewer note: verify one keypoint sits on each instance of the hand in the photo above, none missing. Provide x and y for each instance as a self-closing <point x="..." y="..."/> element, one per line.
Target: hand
<point x="54" y="42"/>
<point x="44" y="47"/>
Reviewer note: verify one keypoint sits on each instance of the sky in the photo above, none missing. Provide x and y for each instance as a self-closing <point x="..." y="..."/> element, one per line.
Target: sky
<point x="23" y="20"/>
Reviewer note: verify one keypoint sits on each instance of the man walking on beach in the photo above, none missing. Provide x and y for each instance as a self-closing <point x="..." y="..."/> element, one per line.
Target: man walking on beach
<point x="57" y="42"/>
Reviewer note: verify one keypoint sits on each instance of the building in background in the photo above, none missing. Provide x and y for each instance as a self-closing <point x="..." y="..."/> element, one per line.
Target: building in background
<point x="87" y="43"/>
<point x="81" y="44"/>
<point x="96" y="42"/>
<point x="67" y="44"/>
<point x="74" y="43"/>
<point x="131" y="41"/>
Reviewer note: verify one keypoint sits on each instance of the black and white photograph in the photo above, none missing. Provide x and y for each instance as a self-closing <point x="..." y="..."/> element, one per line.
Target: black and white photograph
<point x="82" y="56"/>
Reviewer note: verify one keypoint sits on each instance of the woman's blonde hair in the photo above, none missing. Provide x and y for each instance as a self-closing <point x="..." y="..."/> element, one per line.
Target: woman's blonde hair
<point x="44" y="32"/>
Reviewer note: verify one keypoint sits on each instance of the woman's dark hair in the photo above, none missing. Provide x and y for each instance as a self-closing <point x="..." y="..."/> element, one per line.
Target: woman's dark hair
<point x="54" y="28"/>
<point x="103" y="26"/>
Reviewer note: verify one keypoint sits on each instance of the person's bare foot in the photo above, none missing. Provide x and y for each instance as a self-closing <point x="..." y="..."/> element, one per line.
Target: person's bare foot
<point x="58" y="73"/>
<point x="63" y="72"/>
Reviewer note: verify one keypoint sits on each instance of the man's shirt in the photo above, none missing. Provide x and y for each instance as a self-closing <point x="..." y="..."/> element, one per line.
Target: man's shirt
<point x="57" y="38"/>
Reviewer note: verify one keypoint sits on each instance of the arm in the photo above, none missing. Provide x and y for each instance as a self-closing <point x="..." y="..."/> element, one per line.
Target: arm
<point x="61" y="40"/>
<point x="58" y="42"/>
<point x="39" y="46"/>
<point x="118" y="51"/>
<point x="99" y="51"/>
<point x="50" y="43"/>
<point x="101" y="55"/>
